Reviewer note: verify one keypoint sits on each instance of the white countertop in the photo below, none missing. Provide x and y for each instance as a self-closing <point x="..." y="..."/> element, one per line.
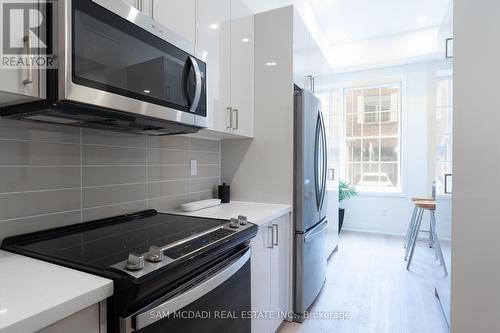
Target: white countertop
<point x="35" y="294"/>
<point x="258" y="213"/>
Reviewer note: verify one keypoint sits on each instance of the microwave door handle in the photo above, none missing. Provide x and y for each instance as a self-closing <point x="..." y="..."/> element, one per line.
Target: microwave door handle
<point x="145" y="318"/>
<point x="192" y="104"/>
<point x="197" y="94"/>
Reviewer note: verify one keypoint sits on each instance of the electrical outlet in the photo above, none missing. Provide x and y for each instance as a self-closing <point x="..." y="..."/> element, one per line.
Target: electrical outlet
<point x="194" y="167"/>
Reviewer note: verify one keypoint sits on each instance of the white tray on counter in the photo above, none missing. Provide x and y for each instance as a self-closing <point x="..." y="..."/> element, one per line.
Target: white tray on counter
<point x="197" y="205"/>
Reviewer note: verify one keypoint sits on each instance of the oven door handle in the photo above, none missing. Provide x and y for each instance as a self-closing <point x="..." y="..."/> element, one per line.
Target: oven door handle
<point x="145" y="318"/>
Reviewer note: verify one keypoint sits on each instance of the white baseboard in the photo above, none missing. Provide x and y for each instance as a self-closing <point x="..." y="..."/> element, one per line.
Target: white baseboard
<point x="387" y="233"/>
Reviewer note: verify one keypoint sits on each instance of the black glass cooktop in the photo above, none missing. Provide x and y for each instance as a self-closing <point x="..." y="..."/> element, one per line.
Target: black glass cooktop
<point x="108" y="244"/>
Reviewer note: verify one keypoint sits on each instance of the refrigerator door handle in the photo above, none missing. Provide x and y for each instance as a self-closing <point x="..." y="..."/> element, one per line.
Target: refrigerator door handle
<point x="325" y="160"/>
<point x="316" y="162"/>
<point x="316" y="231"/>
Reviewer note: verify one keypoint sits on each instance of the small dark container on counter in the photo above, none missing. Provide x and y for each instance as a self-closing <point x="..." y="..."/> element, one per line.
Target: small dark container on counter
<point x="224" y="193"/>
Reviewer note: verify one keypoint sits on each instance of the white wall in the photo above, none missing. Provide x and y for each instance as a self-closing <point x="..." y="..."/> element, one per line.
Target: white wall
<point x="391" y="213"/>
<point x="475" y="282"/>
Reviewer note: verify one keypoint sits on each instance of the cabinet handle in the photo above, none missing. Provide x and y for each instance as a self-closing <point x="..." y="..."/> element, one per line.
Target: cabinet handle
<point x="277" y="233"/>
<point x="313" y="84"/>
<point x="229" y="117"/>
<point x="271" y="232"/>
<point x="331" y="174"/>
<point x="309" y="83"/>
<point x="236" y="119"/>
<point x="29" y="74"/>
<point x="139" y="5"/>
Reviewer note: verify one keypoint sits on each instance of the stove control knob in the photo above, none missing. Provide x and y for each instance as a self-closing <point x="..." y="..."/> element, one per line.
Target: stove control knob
<point x="234" y="223"/>
<point x="155" y="254"/>
<point x="243" y="219"/>
<point x="135" y="262"/>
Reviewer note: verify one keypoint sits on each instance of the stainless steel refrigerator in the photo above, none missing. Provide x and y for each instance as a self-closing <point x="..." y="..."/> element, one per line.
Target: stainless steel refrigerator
<point x="310" y="207"/>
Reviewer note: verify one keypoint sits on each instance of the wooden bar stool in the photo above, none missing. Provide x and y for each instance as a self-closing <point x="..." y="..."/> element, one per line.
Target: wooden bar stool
<point x="422" y="207"/>
<point x="413" y="219"/>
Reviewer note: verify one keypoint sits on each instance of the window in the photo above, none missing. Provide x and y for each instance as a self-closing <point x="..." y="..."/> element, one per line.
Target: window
<point x="372" y="137"/>
<point x="444" y="121"/>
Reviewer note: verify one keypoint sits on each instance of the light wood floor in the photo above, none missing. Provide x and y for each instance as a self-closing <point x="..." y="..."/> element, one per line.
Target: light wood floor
<point x="367" y="277"/>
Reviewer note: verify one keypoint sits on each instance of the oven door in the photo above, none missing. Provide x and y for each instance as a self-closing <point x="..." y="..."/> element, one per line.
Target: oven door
<point x="218" y="301"/>
<point x="119" y="58"/>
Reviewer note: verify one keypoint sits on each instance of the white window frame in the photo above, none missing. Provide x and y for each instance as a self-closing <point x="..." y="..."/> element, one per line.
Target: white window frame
<point x="400" y="190"/>
<point x="446" y="77"/>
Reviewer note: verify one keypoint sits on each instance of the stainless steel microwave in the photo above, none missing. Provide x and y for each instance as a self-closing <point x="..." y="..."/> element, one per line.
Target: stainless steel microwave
<point x="117" y="69"/>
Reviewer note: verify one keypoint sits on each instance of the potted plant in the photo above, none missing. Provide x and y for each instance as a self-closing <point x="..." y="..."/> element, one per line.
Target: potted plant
<point x="346" y="190"/>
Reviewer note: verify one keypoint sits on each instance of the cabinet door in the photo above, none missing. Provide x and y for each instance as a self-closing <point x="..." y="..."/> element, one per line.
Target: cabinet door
<point x="178" y="16"/>
<point x="315" y="57"/>
<point x="332" y="235"/>
<point x="213" y="37"/>
<point x="280" y="270"/>
<point x="261" y="277"/>
<point x="21" y="84"/>
<point x="301" y="39"/>
<point x="84" y="321"/>
<point x="15" y="90"/>
<point x="242" y="68"/>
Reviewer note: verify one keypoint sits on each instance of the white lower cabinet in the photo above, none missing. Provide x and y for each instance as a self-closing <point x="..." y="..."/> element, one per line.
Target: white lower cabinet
<point x="271" y="274"/>
<point x="88" y="320"/>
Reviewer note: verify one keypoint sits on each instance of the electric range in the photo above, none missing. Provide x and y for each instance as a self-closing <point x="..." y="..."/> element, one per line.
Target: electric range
<point x="161" y="265"/>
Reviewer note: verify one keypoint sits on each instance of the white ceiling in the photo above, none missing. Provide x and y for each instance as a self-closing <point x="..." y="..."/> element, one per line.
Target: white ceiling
<point x="345" y="21"/>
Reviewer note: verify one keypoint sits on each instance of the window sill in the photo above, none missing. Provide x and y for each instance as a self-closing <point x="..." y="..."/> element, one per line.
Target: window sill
<point x="388" y="194"/>
<point x="443" y="196"/>
<point x="364" y="193"/>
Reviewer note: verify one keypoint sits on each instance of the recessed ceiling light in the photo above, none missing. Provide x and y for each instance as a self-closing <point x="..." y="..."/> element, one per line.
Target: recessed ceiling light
<point x="422" y="20"/>
<point x="147" y="91"/>
<point x="271" y="63"/>
<point x="214" y="26"/>
<point x="245" y="40"/>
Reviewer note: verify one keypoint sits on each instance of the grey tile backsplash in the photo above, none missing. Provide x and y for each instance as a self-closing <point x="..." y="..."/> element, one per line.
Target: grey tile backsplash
<point x="53" y="175"/>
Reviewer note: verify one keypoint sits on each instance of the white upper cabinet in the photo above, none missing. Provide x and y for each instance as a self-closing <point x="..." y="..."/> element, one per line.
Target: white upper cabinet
<point x="178" y="16"/>
<point x="242" y="69"/>
<point x="214" y="29"/>
<point x="225" y="30"/>
<point x="301" y="42"/>
<point x="21" y="85"/>
<point x="315" y="59"/>
<point x="308" y="58"/>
